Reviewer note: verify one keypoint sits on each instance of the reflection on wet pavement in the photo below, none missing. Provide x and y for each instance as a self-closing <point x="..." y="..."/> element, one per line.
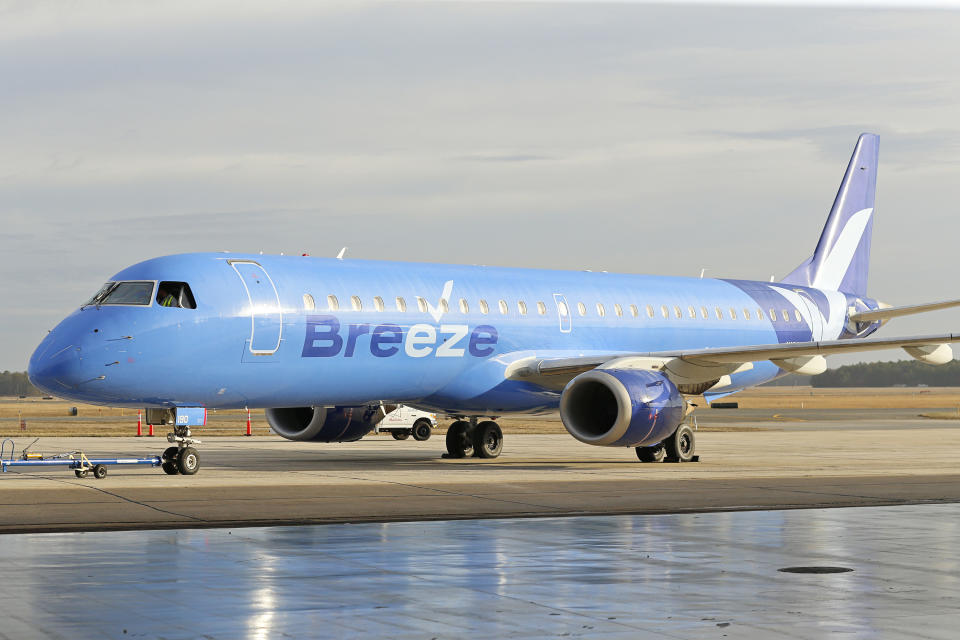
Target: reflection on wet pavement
<point x="707" y="575"/>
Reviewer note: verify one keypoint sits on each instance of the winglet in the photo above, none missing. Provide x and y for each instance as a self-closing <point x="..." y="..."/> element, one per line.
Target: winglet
<point x="842" y="259"/>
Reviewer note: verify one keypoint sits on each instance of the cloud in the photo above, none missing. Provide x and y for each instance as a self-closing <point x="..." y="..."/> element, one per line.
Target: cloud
<point x="626" y="137"/>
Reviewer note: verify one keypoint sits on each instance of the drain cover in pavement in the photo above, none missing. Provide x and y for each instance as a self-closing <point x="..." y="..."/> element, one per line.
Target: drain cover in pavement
<point x="815" y="569"/>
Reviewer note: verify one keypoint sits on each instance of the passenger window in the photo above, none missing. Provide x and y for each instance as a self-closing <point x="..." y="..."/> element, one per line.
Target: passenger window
<point x="503" y="307"/>
<point x="746" y="313"/>
<point x="582" y="308"/>
<point x="308" y="304"/>
<point x="444" y="305"/>
<point x="718" y="312"/>
<point x="464" y="307"/>
<point x="663" y="311"/>
<point x="650" y="310"/>
<point x="401" y="305"/>
<point x="796" y="313"/>
<point x="169" y="294"/>
<point x="786" y="316"/>
<point x="541" y="308"/>
<point x="703" y="312"/>
<point x="733" y="313"/>
<point x="600" y="310"/>
<point x="332" y="303"/>
<point x="692" y="312"/>
<point x="677" y="312"/>
<point x="617" y="309"/>
<point x="634" y="311"/>
<point x="759" y="313"/>
<point x="378" y="303"/>
<point x="773" y="315"/>
<point x="484" y="308"/>
<point x="522" y="307"/>
<point x="355" y="303"/>
<point x="421" y="304"/>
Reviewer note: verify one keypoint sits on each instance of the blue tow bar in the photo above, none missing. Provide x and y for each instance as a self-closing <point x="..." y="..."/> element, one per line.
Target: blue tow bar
<point x="76" y="460"/>
<point x="78" y="463"/>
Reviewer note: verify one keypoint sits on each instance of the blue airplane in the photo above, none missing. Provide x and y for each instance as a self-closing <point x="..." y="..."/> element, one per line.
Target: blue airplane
<point x="326" y="346"/>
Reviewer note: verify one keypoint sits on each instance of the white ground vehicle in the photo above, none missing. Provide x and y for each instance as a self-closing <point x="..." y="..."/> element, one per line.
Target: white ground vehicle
<point x="403" y="422"/>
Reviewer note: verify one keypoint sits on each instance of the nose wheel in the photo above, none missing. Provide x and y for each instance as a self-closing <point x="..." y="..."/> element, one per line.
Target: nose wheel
<point x="183" y="458"/>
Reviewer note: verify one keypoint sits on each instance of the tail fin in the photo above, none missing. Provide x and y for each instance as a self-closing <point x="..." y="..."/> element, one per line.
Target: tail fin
<point x="842" y="258"/>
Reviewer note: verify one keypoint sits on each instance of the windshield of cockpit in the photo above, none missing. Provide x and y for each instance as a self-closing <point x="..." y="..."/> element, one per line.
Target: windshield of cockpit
<point x="134" y="292"/>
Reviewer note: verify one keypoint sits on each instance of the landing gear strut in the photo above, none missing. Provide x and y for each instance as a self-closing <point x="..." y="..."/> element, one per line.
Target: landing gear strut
<point x="473" y="439"/>
<point x="182" y="458"/>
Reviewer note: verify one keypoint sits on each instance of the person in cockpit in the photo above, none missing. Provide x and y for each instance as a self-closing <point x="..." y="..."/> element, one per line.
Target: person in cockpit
<point x="166" y="299"/>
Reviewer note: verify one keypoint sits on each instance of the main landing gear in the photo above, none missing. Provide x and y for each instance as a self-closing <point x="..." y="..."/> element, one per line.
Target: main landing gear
<point x="474" y="439"/>
<point x="182" y="458"/>
<point x="679" y="447"/>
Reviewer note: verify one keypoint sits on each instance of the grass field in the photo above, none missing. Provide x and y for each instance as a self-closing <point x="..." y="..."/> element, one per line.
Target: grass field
<point x="54" y="417"/>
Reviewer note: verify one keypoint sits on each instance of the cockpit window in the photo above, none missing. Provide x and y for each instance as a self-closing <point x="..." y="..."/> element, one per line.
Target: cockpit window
<point x="175" y="294"/>
<point x="136" y="293"/>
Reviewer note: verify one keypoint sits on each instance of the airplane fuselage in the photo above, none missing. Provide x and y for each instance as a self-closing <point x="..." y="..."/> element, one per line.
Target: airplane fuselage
<point x="291" y="331"/>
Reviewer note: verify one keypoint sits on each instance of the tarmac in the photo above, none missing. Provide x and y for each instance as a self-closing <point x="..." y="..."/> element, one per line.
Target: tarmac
<point x="758" y="464"/>
<point x="878" y="572"/>
<point x="413" y="545"/>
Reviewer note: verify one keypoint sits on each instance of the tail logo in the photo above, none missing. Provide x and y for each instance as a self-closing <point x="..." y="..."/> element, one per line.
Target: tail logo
<point x="835" y="265"/>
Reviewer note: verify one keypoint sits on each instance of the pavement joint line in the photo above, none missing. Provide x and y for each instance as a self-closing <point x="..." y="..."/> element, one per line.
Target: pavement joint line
<point x="452" y="493"/>
<point x="115" y="495"/>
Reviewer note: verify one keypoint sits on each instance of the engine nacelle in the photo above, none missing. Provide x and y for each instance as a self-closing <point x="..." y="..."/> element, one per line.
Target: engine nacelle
<point x="621" y="407"/>
<point x="325" y="424"/>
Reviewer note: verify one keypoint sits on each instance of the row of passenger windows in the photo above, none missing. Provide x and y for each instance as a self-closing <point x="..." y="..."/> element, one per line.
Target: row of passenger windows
<point x="356" y="304"/>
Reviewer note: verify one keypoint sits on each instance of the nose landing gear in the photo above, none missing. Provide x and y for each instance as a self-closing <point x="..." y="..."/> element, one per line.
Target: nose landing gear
<point x="182" y="458"/>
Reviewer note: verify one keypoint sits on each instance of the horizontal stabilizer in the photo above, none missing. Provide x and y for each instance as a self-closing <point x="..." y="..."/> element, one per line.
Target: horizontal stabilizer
<point x="896" y="312"/>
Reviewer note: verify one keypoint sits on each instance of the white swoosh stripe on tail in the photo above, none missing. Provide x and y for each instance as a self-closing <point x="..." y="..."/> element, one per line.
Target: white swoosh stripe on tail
<point x="835" y="266"/>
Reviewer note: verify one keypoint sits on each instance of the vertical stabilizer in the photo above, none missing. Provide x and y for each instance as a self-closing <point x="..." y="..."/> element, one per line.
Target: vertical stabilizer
<point x="842" y="258"/>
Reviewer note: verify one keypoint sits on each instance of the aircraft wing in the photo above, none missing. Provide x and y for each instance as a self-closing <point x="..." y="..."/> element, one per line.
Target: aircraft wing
<point x="693" y="366"/>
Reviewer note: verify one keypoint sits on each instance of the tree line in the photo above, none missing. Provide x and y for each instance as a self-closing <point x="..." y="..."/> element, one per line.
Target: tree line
<point x="909" y="373"/>
<point x="15" y="383"/>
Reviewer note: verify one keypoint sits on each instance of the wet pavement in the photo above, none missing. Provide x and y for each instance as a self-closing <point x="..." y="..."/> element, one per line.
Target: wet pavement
<point x="708" y="575"/>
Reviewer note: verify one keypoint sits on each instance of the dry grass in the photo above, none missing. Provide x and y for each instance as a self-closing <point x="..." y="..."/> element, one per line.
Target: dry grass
<point x="53" y="417"/>
<point x="852" y="398"/>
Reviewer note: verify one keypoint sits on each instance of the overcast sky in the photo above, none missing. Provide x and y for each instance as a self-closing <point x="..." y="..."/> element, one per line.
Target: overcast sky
<point x="627" y="137"/>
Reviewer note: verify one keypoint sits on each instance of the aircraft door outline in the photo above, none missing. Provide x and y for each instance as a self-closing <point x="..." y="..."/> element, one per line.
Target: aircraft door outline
<point x="266" y="314"/>
<point x="563" y="313"/>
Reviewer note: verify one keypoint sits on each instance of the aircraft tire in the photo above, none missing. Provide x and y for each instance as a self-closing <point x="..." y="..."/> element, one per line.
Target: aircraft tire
<point x="422" y="430"/>
<point x="400" y="435"/>
<point x="681" y="445"/>
<point x="170" y="454"/>
<point x="170" y="468"/>
<point x="188" y="461"/>
<point x="656" y="453"/>
<point x="459" y="440"/>
<point x="488" y="439"/>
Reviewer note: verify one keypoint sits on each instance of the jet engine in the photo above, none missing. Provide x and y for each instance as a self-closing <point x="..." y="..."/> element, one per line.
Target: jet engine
<point x="621" y="407"/>
<point x="325" y="424"/>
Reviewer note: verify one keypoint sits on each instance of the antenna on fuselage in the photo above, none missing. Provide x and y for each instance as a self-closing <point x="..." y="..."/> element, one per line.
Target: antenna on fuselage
<point x="341" y="254"/>
<point x="702" y="271"/>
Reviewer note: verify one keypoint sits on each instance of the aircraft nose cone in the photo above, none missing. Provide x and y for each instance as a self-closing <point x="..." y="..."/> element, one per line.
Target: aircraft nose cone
<point x="56" y="368"/>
